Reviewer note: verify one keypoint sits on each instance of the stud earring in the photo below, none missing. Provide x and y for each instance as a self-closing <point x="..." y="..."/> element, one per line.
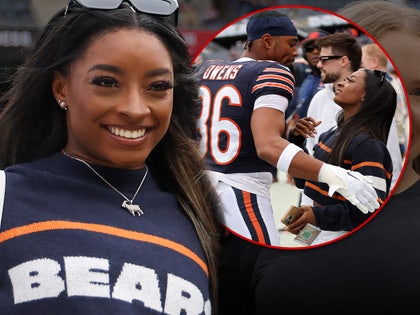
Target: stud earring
<point x="62" y="104"/>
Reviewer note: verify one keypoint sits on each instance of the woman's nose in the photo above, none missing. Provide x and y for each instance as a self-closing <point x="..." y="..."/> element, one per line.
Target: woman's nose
<point x="340" y="83"/>
<point x="135" y="104"/>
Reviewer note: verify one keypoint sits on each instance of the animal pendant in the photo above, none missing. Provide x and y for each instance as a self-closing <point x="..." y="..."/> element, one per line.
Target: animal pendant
<point x="132" y="208"/>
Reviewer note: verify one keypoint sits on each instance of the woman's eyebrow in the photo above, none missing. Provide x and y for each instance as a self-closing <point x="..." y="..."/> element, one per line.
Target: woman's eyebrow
<point x="106" y="67"/>
<point x="118" y="70"/>
<point x="158" y="71"/>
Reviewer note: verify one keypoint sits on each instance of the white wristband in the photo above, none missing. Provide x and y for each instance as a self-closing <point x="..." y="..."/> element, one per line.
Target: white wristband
<point x="287" y="156"/>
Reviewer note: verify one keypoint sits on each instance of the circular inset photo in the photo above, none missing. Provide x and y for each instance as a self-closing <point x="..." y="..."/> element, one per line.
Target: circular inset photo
<point x="304" y="125"/>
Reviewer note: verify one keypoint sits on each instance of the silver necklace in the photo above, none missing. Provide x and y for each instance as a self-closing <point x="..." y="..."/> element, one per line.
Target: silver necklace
<point x="127" y="203"/>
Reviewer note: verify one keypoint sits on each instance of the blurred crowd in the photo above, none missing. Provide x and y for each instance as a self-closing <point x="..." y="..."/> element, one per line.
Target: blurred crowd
<point x="215" y="14"/>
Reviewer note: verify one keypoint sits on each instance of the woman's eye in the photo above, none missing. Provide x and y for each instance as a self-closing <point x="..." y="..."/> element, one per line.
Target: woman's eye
<point x="105" y="82"/>
<point x="161" y="86"/>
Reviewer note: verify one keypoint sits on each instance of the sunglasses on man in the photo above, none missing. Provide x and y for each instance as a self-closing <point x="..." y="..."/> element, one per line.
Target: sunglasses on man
<point x="310" y="48"/>
<point x="164" y="8"/>
<point x="324" y="59"/>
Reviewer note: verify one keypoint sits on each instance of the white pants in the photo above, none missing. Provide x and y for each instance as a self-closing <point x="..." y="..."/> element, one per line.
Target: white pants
<point x="248" y="214"/>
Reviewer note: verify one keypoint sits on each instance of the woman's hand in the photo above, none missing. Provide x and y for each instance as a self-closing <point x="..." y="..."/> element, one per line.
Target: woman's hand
<point x="305" y="127"/>
<point x="307" y="217"/>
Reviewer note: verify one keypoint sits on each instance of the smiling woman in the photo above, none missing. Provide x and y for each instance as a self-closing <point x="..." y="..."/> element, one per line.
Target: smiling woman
<point x="103" y="113"/>
<point x="117" y="113"/>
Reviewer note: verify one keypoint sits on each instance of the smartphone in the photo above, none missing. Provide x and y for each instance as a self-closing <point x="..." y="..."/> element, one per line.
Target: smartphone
<point x="308" y="234"/>
<point x="291" y="215"/>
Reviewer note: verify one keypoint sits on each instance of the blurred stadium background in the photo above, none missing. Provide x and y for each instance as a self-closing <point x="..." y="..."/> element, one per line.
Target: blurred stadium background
<point x="199" y="20"/>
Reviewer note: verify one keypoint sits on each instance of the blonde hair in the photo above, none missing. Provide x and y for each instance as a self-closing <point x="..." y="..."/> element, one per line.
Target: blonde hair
<point x="375" y="52"/>
<point x="380" y="17"/>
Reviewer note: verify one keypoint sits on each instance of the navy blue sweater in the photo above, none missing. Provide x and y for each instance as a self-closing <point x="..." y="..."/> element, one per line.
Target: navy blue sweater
<point x="67" y="246"/>
<point x="364" y="154"/>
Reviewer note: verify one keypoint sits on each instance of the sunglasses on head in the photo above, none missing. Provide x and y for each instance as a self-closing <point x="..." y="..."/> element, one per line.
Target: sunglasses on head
<point x="381" y="75"/>
<point x="165" y="8"/>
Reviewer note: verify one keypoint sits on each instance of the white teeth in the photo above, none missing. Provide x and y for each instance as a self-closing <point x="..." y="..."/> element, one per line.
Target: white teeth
<point x="129" y="134"/>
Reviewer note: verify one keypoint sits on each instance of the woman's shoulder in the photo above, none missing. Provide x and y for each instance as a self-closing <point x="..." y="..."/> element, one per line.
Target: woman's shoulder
<point x="45" y="162"/>
<point x="366" y="139"/>
<point x="364" y="146"/>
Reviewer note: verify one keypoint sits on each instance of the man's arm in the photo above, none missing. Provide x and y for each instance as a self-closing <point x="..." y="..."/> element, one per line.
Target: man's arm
<point x="267" y="125"/>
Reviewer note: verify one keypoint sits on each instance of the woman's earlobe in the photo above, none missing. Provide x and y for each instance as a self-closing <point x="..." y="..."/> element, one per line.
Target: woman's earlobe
<point x="62" y="104"/>
<point x="58" y="87"/>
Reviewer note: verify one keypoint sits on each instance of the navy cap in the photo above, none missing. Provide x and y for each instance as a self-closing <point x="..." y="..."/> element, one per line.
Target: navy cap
<point x="274" y="25"/>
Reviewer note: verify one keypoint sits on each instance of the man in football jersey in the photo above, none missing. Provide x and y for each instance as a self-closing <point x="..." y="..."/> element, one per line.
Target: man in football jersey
<point x="241" y="125"/>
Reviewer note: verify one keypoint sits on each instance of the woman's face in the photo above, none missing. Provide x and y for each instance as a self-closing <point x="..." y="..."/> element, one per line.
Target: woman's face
<point x="403" y="49"/>
<point x="120" y="97"/>
<point x="350" y="92"/>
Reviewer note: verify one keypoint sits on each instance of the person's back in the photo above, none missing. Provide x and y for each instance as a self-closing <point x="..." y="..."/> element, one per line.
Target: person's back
<point x="229" y="90"/>
<point x="242" y="122"/>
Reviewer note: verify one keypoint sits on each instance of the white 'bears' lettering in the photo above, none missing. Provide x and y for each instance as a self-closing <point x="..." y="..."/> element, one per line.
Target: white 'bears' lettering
<point x="90" y="280"/>
<point x="131" y="285"/>
<point x="35" y="280"/>
<point x="89" y="276"/>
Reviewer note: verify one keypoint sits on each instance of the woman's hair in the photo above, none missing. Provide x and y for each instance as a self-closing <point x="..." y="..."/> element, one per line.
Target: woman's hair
<point x="374" y="116"/>
<point x="33" y="126"/>
<point x="380" y="17"/>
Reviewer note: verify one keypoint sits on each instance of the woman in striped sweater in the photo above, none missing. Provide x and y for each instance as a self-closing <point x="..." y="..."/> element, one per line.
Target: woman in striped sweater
<point x="358" y="143"/>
